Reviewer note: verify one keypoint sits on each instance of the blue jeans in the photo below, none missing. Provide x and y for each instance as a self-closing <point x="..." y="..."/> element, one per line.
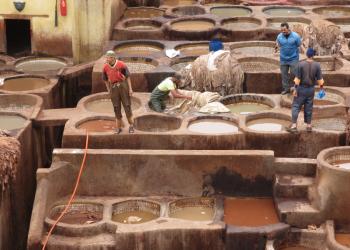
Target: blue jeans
<point x="305" y="96"/>
<point x="285" y="68"/>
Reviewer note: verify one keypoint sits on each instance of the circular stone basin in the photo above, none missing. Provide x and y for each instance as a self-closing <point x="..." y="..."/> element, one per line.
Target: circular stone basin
<point x="193" y="49"/>
<point x="11" y="122"/>
<point x="79" y="214"/>
<point x="258" y="64"/>
<point x="231" y="11"/>
<point x="254" y="48"/>
<point x="192" y="25"/>
<point x="135" y="211"/>
<point x="106" y="106"/>
<point x="179" y="64"/>
<point x="333" y="11"/>
<point x="344" y="24"/>
<point x="142" y="25"/>
<point x="178" y="2"/>
<point x="241" y="23"/>
<point x="139" y="48"/>
<point x="157" y="123"/>
<point x="330" y="124"/>
<point x="188" y="11"/>
<point x="268" y="124"/>
<point x="34" y="65"/>
<point x="195" y="209"/>
<point x="17" y="102"/>
<point x="143" y="12"/>
<point x="212" y="126"/>
<point x="24" y="83"/>
<point x="98" y="125"/>
<point x="275" y="23"/>
<point x="139" y="64"/>
<point x="283" y="11"/>
<point x="247" y="107"/>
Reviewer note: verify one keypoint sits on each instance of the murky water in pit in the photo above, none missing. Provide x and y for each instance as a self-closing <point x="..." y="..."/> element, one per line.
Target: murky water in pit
<point x="230" y="12"/>
<point x="283" y="12"/>
<point x="192" y="25"/>
<point x="268" y="125"/>
<point x="277" y="25"/>
<point x="98" y="125"/>
<point x="10" y="122"/>
<point x="195" y="213"/>
<point x="343" y="239"/>
<point x="342" y="164"/>
<point x="247" y="107"/>
<point x="79" y="217"/>
<point x="255" y="50"/>
<point x="241" y="25"/>
<point x="134" y="217"/>
<point x="334" y="12"/>
<point x="142" y="13"/>
<point x="212" y="126"/>
<point x="138" y="49"/>
<point x="40" y="65"/>
<point x="244" y="212"/>
<point x="193" y="50"/>
<point x="24" y="84"/>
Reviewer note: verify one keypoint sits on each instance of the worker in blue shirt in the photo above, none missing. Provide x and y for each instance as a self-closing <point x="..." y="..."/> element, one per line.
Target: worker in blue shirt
<point x="289" y="43"/>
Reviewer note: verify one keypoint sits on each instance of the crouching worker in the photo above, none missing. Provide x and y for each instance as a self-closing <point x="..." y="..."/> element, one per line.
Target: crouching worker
<point x="117" y="80"/>
<point x="161" y="92"/>
<point x="308" y="74"/>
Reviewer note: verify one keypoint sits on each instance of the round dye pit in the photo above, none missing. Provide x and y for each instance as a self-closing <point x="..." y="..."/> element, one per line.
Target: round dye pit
<point x="24" y="83"/>
<point x="40" y="64"/>
<point x="254" y="49"/>
<point x="227" y="11"/>
<point x="139" y="64"/>
<point x="188" y="11"/>
<point x="241" y="24"/>
<point x="142" y="25"/>
<point x="11" y="122"/>
<point x="79" y="214"/>
<point x="142" y="12"/>
<point x="343" y="238"/>
<point x="330" y="124"/>
<point x="193" y="49"/>
<point x="106" y="106"/>
<point x="283" y="11"/>
<point x="333" y="11"/>
<point x="196" y="209"/>
<point x="244" y="212"/>
<point x="178" y="65"/>
<point x="138" y="49"/>
<point x="157" y="123"/>
<point x="268" y="125"/>
<point x="247" y="107"/>
<point x="212" y="126"/>
<point x="192" y="25"/>
<point x="258" y="64"/>
<point x="275" y="23"/>
<point x="135" y="212"/>
<point x="178" y="2"/>
<point x="98" y="125"/>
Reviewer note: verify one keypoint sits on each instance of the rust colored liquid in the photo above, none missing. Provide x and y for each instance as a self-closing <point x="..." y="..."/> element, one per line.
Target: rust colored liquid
<point x="343" y="239"/>
<point x="250" y="212"/>
<point x="24" y="84"/>
<point x="192" y="25"/>
<point x="98" y="125"/>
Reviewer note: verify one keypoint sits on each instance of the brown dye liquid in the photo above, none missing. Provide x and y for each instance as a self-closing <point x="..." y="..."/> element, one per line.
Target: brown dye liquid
<point x="283" y="12"/>
<point x="24" y="84"/>
<point x="142" y="13"/>
<point x="40" y="65"/>
<point x="193" y="213"/>
<point x="212" y="126"/>
<point x="193" y="50"/>
<point x="251" y="212"/>
<point x="98" y="126"/>
<point x="255" y="50"/>
<point x="230" y="12"/>
<point x="241" y="25"/>
<point x="138" y="49"/>
<point x="134" y="217"/>
<point x="192" y="25"/>
<point x="178" y="2"/>
<point x="297" y="248"/>
<point x="343" y="239"/>
<point x="10" y="122"/>
<point x="79" y="217"/>
<point x="268" y="125"/>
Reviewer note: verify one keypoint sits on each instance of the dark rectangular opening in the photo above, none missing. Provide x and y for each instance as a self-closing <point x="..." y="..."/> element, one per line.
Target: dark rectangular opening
<point x="18" y="40"/>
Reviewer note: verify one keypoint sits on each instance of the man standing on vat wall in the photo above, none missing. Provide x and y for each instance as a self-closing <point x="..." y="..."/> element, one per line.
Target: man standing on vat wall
<point x="117" y="79"/>
<point x="289" y="43"/>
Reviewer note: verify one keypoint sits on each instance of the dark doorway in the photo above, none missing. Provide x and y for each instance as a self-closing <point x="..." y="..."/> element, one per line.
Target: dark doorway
<point x="18" y="40"/>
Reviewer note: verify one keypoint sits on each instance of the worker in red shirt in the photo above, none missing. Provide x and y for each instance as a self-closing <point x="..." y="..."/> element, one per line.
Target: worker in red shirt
<point x="117" y="79"/>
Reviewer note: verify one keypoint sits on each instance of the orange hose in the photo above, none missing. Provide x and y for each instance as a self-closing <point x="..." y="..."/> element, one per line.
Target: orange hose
<point x="73" y="194"/>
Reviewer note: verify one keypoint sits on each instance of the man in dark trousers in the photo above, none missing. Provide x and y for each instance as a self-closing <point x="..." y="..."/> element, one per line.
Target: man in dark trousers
<point x="308" y="74"/>
<point x="117" y="79"/>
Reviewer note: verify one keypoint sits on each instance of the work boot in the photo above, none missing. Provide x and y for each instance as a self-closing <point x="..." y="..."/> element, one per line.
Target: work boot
<point x="292" y="130"/>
